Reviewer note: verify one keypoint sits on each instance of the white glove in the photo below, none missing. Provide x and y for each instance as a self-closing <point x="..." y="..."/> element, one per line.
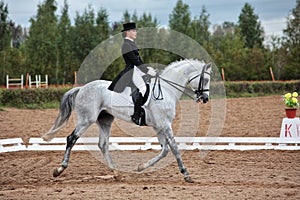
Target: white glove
<point x="151" y="71"/>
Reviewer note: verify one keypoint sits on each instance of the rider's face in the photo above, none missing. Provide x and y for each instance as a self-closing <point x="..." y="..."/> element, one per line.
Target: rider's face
<point x="131" y="34"/>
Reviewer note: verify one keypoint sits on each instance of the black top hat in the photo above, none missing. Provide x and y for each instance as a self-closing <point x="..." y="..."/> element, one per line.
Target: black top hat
<point x="128" y="26"/>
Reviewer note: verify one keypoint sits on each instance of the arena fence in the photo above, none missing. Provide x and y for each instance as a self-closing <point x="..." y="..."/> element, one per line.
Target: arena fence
<point x="151" y="143"/>
<point x="289" y="139"/>
<point x="184" y="143"/>
<point x="14" y="82"/>
<point x="38" y="83"/>
<point x="13" y="144"/>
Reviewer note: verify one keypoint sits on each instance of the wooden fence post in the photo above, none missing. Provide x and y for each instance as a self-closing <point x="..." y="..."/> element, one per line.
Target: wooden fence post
<point x="223" y="74"/>
<point x="272" y="75"/>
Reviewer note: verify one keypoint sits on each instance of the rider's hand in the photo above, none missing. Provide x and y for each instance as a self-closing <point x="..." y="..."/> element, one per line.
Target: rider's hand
<point x="151" y="71"/>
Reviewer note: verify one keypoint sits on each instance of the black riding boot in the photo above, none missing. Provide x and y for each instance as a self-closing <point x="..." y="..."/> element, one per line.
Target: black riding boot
<point x="136" y="117"/>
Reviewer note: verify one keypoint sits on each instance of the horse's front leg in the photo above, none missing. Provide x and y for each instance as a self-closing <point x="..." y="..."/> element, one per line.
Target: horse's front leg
<point x="165" y="149"/>
<point x="104" y="122"/>
<point x="71" y="140"/>
<point x="173" y="146"/>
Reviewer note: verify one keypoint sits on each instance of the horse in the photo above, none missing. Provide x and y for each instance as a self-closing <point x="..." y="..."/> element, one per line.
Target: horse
<point x="93" y="104"/>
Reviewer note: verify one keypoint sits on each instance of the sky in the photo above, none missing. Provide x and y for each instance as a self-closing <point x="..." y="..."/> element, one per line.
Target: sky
<point x="272" y="13"/>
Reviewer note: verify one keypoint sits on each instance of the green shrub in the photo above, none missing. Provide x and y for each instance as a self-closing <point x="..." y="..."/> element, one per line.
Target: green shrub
<point x="32" y="98"/>
<point x="260" y="88"/>
<point x="50" y="97"/>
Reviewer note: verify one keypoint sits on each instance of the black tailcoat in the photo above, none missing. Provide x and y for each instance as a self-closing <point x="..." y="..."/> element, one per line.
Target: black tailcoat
<point x="132" y="58"/>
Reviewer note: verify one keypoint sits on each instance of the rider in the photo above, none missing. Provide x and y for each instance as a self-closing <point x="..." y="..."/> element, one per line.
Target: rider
<point x="136" y="73"/>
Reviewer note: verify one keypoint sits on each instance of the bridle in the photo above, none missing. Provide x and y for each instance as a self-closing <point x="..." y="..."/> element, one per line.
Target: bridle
<point x="199" y="91"/>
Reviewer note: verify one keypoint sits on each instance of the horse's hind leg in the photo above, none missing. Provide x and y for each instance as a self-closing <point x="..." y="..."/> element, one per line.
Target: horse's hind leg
<point x="71" y="140"/>
<point x="162" y="140"/>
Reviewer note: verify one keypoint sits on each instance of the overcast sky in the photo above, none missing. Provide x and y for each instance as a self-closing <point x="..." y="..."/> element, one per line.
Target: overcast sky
<point x="272" y="13"/>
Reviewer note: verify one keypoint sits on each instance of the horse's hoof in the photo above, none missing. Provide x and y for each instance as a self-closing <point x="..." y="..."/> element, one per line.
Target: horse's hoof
<point x="117" y="176"/>
<point x="141" y="167"/>
<point x="55" y="173"/>
<point x="47" y="138"/>
<point x="58" y="171"/>
<point x="188" y="179"/>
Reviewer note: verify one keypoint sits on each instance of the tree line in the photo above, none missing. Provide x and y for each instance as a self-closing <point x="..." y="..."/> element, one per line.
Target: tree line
<point x="53" y="45"/>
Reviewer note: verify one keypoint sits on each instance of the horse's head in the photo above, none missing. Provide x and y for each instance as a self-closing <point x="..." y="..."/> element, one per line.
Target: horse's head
<point x="200" y="84"/>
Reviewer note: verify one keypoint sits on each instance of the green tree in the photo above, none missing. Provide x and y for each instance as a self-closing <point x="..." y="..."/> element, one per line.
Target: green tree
<point x="292" y="36"/>
<point x="250" y="27"/>
<point x="147" y="38"/>
<point x="5" y="25"/>
<point x="84" y="35"/>
<point x="255" y="64"/>
<point x="126" y="17"/>
<point x="17" y="35"/>
<point x="103" y="24"/>
<point x="41" y="45"/>
<point x="12" y="63"/>
<point x="89" y="31"/>
<point x="229" y="53"/>
<point x="117" y="26"/>
<point x="65" y="65"/>
<point x="225" y="28"/>
<point x="180" y="18"/>
<point x="12" y="59"/>
<point x="134" y="17"/>
<point x="199" y="27"/>
<point x="146" y="20"/>
<point x="277" y="54"/>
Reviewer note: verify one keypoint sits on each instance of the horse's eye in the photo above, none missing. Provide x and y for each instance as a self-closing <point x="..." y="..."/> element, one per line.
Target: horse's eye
<point x="206" y="81"/>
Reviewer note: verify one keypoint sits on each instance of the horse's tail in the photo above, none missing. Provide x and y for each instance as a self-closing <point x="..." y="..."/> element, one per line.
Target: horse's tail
<point x="65" y="110"/>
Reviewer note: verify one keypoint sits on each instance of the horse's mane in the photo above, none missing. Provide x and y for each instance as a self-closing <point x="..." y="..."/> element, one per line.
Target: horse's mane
<point x="174" y="65"/>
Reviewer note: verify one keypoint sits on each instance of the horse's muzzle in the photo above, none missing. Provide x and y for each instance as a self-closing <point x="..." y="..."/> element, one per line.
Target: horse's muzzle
<point x="203" y="98"/>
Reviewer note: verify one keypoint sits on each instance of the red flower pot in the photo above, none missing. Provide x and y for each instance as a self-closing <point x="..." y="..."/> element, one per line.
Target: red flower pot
<point x="290" y="112"/>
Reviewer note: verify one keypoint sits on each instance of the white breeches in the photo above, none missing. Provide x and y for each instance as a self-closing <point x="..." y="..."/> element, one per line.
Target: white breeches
<point x="138" y="80"/>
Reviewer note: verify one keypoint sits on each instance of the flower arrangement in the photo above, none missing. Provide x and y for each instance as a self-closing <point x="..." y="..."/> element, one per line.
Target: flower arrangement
<point x="290" y="100"/>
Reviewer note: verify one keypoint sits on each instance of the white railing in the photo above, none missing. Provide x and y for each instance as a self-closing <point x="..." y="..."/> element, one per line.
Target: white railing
<point x="148" y="143"/>
<point x="14" y="81"/>
<point x="12" y="144"/>
<point x="38" y="81"/>
<point x="184" y="143"/>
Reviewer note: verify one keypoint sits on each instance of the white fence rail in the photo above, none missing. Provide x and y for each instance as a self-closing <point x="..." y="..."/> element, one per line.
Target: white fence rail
<point x="12" y="144"/>
<point x="148" y="143"/>
<point x="38" y="81"/>
<point x="184" y="143"/>
<point x="16" y="82"/>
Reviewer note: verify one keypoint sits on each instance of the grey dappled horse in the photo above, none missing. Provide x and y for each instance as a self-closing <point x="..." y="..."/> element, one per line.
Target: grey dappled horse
<point x="94" y="103"/>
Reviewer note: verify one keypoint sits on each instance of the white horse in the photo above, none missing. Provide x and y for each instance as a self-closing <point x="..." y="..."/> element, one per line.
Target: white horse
<point x="94" y="104"/>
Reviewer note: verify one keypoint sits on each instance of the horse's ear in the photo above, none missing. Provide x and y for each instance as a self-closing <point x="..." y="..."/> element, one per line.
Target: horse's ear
<point x="208" y="66"/>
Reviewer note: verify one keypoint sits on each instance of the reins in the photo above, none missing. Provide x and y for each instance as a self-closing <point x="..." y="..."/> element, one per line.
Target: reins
<point x="180" y="88"/>
<point x="171" y="83"/>
<point x="160" y="95"/>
